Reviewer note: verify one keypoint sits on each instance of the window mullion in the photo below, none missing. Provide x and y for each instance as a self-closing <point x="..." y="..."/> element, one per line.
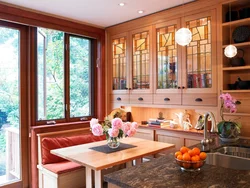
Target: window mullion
<point x="66" y="77"/>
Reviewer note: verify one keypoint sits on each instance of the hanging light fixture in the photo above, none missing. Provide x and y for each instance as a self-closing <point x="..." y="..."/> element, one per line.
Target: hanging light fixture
<point x="230" y="51"/>
<point x="183" y="36"/>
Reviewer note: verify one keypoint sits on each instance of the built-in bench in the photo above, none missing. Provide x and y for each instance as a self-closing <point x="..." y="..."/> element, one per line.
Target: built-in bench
<point x="56" y="172"/>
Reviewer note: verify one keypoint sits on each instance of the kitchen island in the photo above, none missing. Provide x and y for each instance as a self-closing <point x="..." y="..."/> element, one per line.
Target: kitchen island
<point x="164" y="172"/>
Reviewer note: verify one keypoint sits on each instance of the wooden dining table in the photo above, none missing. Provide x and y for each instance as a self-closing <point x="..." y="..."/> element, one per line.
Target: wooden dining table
<point x="97" y="161"/>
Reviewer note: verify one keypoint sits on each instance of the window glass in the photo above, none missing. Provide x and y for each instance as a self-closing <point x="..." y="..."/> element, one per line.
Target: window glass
<point x="50" y="74"/>
<point x="80" y="91"/>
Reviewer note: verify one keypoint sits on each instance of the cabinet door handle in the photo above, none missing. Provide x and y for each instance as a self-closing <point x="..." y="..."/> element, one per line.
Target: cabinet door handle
<point x="179" y="87"/>
<point x="119" y="98"/>
<point x="140" y="99"/>
<point x="198" y="100"/>
<point x="167" y="99"/>
<point x="237" y="102"/>
<point x="183" y="87"/>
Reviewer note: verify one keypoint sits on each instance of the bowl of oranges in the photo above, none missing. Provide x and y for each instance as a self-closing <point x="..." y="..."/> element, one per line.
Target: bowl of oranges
<point x="190" y="159"/>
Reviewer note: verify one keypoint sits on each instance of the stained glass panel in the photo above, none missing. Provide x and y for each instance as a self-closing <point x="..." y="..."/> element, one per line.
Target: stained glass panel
<point x="119" y="63"/>
<point x="166" y="58"/>
<point x="199" y="66"/>
<point x="141" y="60"/>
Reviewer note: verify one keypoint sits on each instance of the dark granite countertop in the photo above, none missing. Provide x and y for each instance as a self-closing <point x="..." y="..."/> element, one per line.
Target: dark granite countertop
<point x="164" y="172"/>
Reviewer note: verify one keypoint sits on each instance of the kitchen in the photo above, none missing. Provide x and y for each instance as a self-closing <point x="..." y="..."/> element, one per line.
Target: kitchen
<point x="153" y="74"/>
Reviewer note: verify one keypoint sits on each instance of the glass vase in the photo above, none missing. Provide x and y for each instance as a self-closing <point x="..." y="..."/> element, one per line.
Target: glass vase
<point x="113" y="142"/>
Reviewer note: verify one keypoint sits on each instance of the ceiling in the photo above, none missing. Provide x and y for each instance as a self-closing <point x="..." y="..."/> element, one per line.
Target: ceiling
<point x="101" y="13"/>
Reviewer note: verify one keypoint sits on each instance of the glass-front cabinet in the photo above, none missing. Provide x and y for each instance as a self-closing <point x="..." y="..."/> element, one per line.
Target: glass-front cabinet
<point x="132" y="67"/>
<point x="149" y="67"/>
<point x="199" y="77"/>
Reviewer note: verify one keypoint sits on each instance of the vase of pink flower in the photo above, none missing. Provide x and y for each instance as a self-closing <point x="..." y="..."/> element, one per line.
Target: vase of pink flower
<point x="114" y="130"/>
<point x="228" y="130"/>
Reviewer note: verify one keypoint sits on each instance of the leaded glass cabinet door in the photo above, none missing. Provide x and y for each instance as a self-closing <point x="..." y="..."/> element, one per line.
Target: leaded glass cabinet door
<point x="168" y="66"/>
<point x="201" y="54"/>
<point x="119" y="63"/>
<point x="141" y="60"/>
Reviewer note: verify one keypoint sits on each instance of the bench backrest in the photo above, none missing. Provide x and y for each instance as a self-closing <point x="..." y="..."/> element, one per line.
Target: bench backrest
<point x="59" y="139"/>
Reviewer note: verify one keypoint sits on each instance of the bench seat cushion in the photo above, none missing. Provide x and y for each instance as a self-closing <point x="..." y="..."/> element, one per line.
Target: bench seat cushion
<point x="61" y="142"/>
<point x="62" y="167"/>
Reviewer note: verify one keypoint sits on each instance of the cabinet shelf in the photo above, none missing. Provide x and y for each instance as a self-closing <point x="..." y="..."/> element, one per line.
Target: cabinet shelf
<point x="237" y="23"/>
<point x="237" y="91"/>
<point x="236" y="114"/>
<point x="236" y="68"/>
<point x="243" y="44"/>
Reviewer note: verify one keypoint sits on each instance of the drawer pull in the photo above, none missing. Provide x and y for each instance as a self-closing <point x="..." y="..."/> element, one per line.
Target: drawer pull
<point x="198" y="100"/>
<point x="140" y="99"/>
<point x="167" y="99"/>
<point x="237" y="102"/>
<point x="119" y="98"/>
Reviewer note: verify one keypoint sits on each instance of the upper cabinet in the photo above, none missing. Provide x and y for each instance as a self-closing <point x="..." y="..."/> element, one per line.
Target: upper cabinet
<point x="132" y="67"/>
<point x="187" y="75"/>
<point x="149" y="67"/>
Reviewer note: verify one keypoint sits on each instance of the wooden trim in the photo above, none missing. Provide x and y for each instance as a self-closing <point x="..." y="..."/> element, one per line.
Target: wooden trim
<point x="30" y="17"/>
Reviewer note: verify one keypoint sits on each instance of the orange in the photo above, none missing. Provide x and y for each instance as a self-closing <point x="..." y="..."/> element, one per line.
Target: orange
<point x="186" y="165"/>
<point x="203" y="155"/>
<point x="180" y="157"/>
<point x="195" y="158"/>
<point x="186" y="157"/>
<point x="184" y="149"/>
<point x="191" y="153"/>
<point x="177" y="153"/>
<point x="196" y="165"/>
<point x="196" y="151"/>
<point x="198" y="157"/>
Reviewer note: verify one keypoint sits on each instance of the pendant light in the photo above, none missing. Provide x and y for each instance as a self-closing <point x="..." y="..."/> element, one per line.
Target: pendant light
<point x="183" y="36"/>
<point x="230" y="51"/>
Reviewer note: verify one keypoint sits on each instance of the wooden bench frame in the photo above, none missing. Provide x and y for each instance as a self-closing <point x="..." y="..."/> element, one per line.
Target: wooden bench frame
<point x="48" y="179"/>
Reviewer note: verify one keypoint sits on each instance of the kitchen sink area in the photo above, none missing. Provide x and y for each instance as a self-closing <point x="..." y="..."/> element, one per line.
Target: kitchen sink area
<point x="233" y="157"/>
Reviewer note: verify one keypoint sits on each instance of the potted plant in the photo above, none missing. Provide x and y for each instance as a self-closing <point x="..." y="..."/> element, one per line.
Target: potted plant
<point x="228" y="130"/>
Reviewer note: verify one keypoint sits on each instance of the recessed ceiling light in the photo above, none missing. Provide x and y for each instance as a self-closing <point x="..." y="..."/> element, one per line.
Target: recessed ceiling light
<point x="121" y="4"/>
<point x="140" y="11"/>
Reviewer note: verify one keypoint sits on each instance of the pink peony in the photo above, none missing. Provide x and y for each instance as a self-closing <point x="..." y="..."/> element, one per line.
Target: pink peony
<point x="113" y="132"/>
<point x="97" y="130"/>
<point x="93" y="121"/>
<point x="135" y="125"/>
<point x="126" y="127"/>
<point x="131" y="132"/>
<point x="116" y="123"/>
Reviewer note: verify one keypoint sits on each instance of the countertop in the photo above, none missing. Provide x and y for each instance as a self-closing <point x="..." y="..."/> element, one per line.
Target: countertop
<point x="164" y="172"/>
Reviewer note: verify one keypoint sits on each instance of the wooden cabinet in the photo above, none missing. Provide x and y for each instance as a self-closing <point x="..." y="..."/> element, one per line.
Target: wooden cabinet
<point x="178" y="138"/>
<point x="145" y="133"/>
<point x="150" y="68"/>
<point x="132" y="67"/>
<point x="187" y="75"/>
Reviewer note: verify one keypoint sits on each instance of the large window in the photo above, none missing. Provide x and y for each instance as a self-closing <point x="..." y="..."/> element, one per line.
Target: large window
<point x="63" y="75"/>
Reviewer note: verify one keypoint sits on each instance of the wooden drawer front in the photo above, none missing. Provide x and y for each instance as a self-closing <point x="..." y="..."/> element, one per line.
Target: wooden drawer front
<point x="141" y="99"/>
<point x="200" y="99"/>
<point x="171" y="98"/>
<point x="120" y="98"/>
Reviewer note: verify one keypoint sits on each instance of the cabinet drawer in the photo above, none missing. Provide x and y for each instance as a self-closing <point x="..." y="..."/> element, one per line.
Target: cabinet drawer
<point x="141" y="99"/>
<point x="198" y="99"/>
<point x="120" y="98"/>
<point x="171" y="98"/>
